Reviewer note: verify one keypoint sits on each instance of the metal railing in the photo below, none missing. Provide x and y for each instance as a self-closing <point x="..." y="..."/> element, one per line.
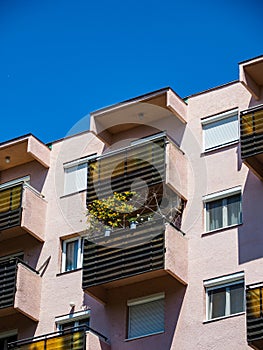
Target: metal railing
<point x="72" y="338"/>
<point x="254" y="309"/>
<point x="251" y="131"/>
<point x="8" y="273"/>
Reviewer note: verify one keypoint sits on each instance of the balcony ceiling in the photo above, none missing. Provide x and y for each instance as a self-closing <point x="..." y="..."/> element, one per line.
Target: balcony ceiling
<point x="255" y="70"/>
<point x="23" y="150"/>
<point x="144" y="110"/>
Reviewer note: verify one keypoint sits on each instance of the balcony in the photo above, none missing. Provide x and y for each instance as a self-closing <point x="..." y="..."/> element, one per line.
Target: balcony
<point x="251" y="137"/>
<point x="79" y="338"/>
<point x="148" y="165"/>
<point x="23" y="150"/>
<point x="22" y="209"/>
<point x="19" y="289"/>
<point x="127" y="256"/>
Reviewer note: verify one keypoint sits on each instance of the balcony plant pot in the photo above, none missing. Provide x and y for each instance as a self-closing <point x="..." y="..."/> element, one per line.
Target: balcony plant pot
<point x="133" y="225"/>
<point x="107" y="231"/>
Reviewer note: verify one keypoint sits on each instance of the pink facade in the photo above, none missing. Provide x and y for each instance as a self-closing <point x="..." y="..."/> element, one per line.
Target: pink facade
<point x="188" y="275"/>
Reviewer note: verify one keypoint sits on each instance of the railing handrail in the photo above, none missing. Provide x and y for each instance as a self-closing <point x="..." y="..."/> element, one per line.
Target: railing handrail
<point x="251" y="109"/>
<point x="254" y="285"/>
<point x="54" y="335"/>
<point x="32" y="189"/>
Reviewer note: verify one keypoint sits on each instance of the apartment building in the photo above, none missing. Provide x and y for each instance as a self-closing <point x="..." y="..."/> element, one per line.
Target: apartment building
<point x="176" y="262"/>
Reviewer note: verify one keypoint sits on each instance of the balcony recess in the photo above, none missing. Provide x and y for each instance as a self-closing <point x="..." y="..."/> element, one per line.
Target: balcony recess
<point x="251" y="138"/>
<point x="145" y="110"/>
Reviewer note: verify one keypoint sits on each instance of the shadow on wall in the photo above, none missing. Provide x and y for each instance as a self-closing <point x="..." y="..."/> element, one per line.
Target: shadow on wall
<point x="250" y="234"/>
<point x="117" y="311"/>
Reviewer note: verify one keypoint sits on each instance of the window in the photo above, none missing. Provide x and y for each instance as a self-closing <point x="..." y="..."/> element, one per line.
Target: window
<point x="76" y="319"/>
<point x="223" y="209"/>
<point x="224" y="296"/>
<point x="146" y="316"/>
<point x="220" y="130"/>
<point x="72" y="254"/>
<point x="75" y="178"/>
<point x="7" y="337"/>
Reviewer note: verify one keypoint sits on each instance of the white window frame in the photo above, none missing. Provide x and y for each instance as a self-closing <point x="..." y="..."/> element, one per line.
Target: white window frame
<point x="211" y="120"/>
<point x="64" y="253"/>
<point x="74" y="317"/>
<point x="223" y="282"/>
<point x="223" y="195"/>
<point x="144" y="300"/>
<point x="74" y="164"/>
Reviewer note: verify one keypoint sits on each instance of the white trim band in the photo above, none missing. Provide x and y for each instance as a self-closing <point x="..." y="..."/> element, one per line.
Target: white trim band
<point x="220" y="116"/>
<point x="222" y="194"/>
<point x="224" y="279"/>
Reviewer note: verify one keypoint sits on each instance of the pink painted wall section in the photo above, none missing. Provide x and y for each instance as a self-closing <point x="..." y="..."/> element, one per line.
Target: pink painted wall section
<point x="177" y="105"/>
<point x="34" y="213"/>
<point x="39" y="151"/>
<point x="65" y="218"/>
<point x="93" y="342"/>
<point x="176" y="254"/>
<point x="28" y="292"/>
<point x="176" y="169"/>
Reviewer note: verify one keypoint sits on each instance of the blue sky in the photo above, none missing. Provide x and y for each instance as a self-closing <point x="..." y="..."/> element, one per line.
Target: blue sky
<point x="61" y="59"/>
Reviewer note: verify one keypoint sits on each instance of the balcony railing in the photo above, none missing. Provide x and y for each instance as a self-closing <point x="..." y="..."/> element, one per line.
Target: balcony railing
<point x="251" y="132"/>
<point x="130" y="168"/>
<point x="254" y="301"/>
<point x="251" y="138"/>
<point x="7" y="282"/>
<point x="75" y="338"/>
<point x="125" y="253"/>
<point x="10" y="207"/>
<point x="22" y="206"/>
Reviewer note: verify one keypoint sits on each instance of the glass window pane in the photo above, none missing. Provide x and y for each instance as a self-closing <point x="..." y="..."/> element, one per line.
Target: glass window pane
<point x="214" y="215"/>
<point x="71" y="255"/>
<point x="234" y="210"/>
<point x="84" y="322"/>
<point x="221" y="132"/>
<point x="237" y="298"/>
<point x="67" y="325"/>
<point x="217" y="301"/>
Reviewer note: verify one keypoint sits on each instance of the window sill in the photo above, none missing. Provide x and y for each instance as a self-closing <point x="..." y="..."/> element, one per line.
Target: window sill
<point x="219" y="148"/>
<point x="207" y="233"/>
<point x="143" y="336"/>
<point x="224" y="317"/>
<point x="68" y="272"/>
